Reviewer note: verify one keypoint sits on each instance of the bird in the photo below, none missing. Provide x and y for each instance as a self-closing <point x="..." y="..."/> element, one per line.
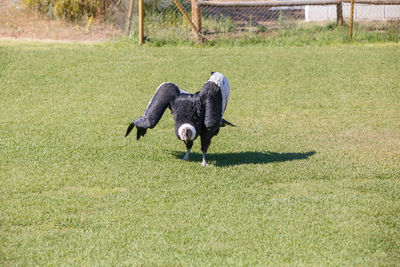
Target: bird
<point x="198" y="114"/>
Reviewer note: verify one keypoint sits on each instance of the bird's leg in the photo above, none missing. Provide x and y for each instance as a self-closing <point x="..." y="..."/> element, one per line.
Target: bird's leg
<point x="189" y="145"/>
<point x="205" y="143"/>
<point x="204" y="163"/>
<point x="186" y="157"/>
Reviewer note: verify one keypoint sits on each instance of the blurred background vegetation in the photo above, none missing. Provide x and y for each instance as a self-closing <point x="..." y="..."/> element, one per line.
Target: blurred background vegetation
<point x="163" y="23"/>
<point x="77" y="10"/>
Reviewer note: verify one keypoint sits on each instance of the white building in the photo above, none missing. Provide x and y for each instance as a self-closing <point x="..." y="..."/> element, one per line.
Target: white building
<point x="361" y="12"/>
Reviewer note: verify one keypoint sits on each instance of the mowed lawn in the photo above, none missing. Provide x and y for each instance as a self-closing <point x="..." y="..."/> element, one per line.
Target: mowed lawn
<point x="311" y="175"/>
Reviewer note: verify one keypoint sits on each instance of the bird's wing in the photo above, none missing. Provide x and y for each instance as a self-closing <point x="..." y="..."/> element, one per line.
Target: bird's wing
<point x="162" y="98"/>
<point x="214" y="96"/>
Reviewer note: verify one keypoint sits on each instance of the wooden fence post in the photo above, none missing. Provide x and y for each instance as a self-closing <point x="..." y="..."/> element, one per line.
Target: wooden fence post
<point x="200" y="37"/>
<point x="339" y="14"/>
<point x="351" y="19"/>
<point x="196" y="15"/>
<point x="141" y="15"/>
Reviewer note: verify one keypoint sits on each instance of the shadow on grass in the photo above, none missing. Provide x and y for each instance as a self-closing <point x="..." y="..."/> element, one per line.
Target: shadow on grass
<point x="238" y="158"/>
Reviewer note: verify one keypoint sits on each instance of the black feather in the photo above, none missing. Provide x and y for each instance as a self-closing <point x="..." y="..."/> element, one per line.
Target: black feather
<point x="140" y="132"/>
<point x="130" y="128"/>
<point x="225" y="122"/>
<point x="211" y="98"/>
<point x="188" y="109"/>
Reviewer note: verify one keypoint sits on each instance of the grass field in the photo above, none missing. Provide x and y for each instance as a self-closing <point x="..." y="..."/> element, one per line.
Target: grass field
<point x="311" y="175"/>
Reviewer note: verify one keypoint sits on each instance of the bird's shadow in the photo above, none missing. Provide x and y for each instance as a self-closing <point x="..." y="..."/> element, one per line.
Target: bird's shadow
<point x="238" y="158"/>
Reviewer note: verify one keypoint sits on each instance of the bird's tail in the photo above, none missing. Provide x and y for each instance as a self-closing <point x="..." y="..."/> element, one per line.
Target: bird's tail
<point x="225" y="122"/>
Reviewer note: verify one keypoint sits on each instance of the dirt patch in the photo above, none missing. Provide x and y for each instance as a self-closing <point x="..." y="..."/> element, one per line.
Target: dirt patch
<point x="19" y="22"/>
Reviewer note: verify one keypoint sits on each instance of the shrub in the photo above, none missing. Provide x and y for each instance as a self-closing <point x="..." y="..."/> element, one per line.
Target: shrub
<point x="69" y="9"/>
<point x="76" y="10"/>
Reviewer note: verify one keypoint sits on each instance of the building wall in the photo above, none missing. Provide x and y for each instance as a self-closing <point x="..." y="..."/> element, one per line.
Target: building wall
<point x="361" y="12"/>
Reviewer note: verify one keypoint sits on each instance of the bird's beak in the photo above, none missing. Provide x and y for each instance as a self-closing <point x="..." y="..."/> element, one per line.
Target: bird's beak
<point x="188" y="135"/>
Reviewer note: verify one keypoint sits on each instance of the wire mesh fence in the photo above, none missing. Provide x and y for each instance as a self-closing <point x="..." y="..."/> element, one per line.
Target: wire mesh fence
<point x="216" y="19"/>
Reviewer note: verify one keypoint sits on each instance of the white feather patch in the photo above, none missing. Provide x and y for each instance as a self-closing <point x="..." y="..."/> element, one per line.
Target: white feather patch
<point x="186" y="125"/>
<point x="220" y="80"/>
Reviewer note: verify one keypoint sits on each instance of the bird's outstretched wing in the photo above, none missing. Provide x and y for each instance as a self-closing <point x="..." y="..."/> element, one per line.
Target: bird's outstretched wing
<point x="162" y="98"/>
<point x="214" y="96"/>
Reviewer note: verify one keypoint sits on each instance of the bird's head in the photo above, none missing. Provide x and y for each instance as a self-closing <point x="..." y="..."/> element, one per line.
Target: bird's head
<point x="187" y="132"/>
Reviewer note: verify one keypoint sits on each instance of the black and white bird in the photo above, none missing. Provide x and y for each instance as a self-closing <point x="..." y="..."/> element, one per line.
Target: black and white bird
<point x="198" y="114"/>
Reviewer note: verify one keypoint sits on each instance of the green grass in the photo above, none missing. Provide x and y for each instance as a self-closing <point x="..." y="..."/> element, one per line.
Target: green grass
<point x="309" y="177"/>
<point x="171" y="29"/>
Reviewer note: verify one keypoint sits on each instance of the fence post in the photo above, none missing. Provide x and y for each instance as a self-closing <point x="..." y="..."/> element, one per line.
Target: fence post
<point x="140" y="6"/>
<point x="339" y="14"/>
<point x="194" y="28"/>
<point x="196" y="15"/>
<point x="351" y="19"/>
